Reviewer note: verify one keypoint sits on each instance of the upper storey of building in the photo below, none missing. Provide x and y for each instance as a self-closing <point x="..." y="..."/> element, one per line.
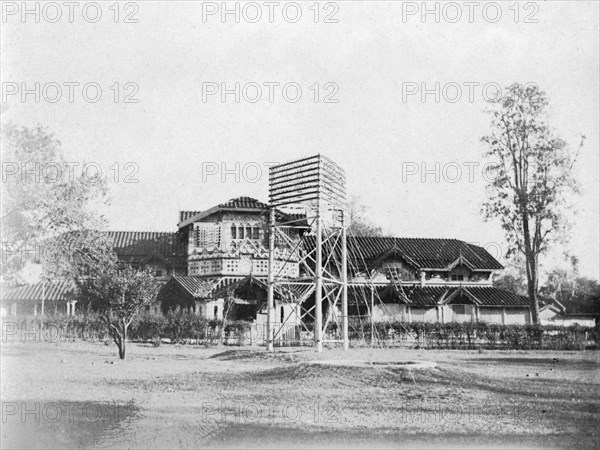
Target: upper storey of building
<point x="231" y="239"/>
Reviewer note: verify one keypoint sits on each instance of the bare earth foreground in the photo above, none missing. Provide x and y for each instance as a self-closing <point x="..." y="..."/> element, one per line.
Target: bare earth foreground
<point x="72" y="395"/>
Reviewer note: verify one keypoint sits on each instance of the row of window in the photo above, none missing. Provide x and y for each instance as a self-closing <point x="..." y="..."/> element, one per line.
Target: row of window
<point x="245" y="232"/>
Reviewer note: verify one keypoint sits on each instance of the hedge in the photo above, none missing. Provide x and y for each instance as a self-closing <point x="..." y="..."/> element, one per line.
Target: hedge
<point x="181" y="327"/>
<point x="471" y="335"/>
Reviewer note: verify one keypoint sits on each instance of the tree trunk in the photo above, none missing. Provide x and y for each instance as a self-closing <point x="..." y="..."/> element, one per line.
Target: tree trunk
<point x="121" y="349"/>
<point x="532" y="272"/>
<point x="532" y="294"/>
<point x="123" y="340"/>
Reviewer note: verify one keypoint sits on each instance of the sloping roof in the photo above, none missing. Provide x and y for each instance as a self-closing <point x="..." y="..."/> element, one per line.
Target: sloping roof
<point x="196" y="287"/>
<point x="183" y="215"/>
<point x="232" y="204"/>
<point x="243" y="203"/>
<point x="53" y="291"/>
<point x="491" y="296"/>
<point x="136" y="246"/>
<point x="426" y="253"/>
<point x="426" y="296"/>
<point x="247" y="204"/>
<point x="435" y="295"/>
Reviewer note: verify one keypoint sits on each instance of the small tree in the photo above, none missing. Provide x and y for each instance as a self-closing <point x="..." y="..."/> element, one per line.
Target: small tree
<point x="118" y="295"/>
<point x="533" y="178"/>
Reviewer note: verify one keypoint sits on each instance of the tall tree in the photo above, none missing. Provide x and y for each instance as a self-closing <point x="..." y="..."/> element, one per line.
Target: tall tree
<point x="49" y="214"/>
<point x="118" y="295"/>
<point x="532" y="180"/>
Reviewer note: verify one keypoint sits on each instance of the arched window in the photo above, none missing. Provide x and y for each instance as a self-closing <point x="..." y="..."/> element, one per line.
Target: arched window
<point x="216" y="312"/>
<point x="241" y="233"/>
<point x="233" y="232"/>
<point x="248" y="232"/>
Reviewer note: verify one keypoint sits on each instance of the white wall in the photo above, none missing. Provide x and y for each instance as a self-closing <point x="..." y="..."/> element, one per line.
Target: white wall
<point x="490" y="315"/>
<point x="292" y="314"/>
<point x="206" y="310"/>
<point x="567" y="322"/>
<point x="423" y="314"/>
<point x="388" y="312"/>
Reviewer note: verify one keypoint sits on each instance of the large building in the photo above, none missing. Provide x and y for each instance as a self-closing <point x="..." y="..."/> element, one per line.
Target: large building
<point x="226" y="258"/>
<point x="216" y="263"/>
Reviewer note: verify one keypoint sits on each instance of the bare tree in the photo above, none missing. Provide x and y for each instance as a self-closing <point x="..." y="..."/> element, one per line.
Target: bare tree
<point x="360" y="224"/>
<point x="532" y="179"/>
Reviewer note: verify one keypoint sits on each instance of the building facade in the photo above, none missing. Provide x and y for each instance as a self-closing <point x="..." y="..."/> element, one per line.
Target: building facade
<point x="216" y="265"/>
<point x="443" y="280"/>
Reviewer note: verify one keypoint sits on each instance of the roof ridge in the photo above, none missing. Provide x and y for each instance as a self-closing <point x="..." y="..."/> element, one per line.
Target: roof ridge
<point x="139" y="231"/>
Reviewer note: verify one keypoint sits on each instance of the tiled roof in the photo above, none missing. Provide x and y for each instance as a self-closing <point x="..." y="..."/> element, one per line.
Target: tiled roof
<point x="238" y="203"/>
<point x="426" y="253"/>
<point x="196" y="287"/>
<point x="138" y="245"/>
<point x="425" y="296"/>
<point x="491" y="296"/>
<point x="183" y="215"/>
<point x="434" y="295"/>
<point x="56" y="290"/>
<point x="244" y="203"/>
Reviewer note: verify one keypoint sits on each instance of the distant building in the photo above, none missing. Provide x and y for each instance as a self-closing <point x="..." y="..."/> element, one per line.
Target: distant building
<point x="555" y="313"/>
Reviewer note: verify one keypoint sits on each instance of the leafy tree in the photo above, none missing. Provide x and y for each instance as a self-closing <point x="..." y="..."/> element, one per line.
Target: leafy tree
<point x="360" y="225"/>
<point x="49" y="215"/>
<point x="533" y="179"/>
<point x="512" y="280"/>
<point x="118" y="295"/>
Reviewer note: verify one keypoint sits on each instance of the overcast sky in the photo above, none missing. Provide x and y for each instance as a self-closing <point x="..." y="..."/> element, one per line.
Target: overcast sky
<point x="375" y="52"/>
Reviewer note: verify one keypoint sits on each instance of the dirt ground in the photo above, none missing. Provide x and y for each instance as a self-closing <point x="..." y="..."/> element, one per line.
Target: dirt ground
<point x="79" y="395"/>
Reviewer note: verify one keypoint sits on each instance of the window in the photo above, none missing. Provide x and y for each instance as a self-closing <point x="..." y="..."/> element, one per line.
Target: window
<point x="256" y="233"/>
<point x="457" y="277"/>
<point x="216" y="312"/>
<point x="241" y="233"/>
<point x="158" y="273"/>
<point x="248" y="232"/>
<point x="282" y="314"/>
<point x="233" y="232"/>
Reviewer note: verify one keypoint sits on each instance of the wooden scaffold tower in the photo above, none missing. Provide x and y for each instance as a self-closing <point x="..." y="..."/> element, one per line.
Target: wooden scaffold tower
<point x="315" y="189"/>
